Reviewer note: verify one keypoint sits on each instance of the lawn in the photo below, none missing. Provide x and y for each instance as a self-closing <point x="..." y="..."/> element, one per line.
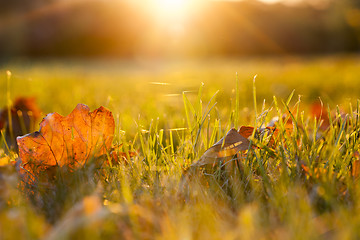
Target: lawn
<point x="167" y="114"/>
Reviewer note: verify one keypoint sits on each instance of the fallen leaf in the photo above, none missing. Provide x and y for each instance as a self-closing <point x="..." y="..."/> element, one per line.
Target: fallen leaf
<point x="276" y="133"/>
<point x="117" y="156"/>
<point x="287" y="120"/>
<point x="246" y="131"/>
<point x="275" y="129"/>
<point x="226" y="147"/>
<point x="321" y="114"/>
<point x="273" y="132"/>
<point x="67" y="141"/>
<point x="222" y="151"/>
<point x="24" y="114"/>
<point x="355" y="169"/>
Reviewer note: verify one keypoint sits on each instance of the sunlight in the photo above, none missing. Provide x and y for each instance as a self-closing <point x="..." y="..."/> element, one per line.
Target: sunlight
<point x="170" y="9"/>
<point x="170" y="5"/>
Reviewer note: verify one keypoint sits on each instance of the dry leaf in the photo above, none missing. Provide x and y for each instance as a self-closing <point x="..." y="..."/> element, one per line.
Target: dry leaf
<point x="276" y="132"/>
<point x="117" y="156"/>
<point x="226" y="147"/>
<point x="246" y="131"/>
<point x="274" y="127"/>
<point x="67" y="141"/>
<point x="355" y="170"/>
<point x="320" y="113"/>
<point x="24" y="114"/>
<point x="222" y="151"/>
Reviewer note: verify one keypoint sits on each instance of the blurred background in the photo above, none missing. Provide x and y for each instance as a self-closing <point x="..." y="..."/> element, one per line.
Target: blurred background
<point x="177" y="28"/>
<point x="110" y="52"/>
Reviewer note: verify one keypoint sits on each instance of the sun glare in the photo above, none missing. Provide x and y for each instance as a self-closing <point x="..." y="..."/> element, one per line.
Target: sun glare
<point x="169" y="9"/>
<point x="170" y="5"/>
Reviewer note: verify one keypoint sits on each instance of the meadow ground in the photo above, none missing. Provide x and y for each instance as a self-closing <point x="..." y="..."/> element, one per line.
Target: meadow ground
<point x="304" y="187"/>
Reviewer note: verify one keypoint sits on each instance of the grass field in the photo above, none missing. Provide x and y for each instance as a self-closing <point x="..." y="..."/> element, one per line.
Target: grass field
<point x="170" y="113"/>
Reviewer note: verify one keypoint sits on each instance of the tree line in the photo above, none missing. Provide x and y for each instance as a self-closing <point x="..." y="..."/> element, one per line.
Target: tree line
<point x="219" y="28"/>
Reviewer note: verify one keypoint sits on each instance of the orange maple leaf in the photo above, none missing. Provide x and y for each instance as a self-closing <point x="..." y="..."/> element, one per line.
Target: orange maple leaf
<point x="67" y="141"/>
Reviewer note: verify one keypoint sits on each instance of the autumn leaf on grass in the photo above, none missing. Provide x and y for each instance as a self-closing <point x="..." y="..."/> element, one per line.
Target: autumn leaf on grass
<point x="222" y="151"/>
<point x="319" y="112"/>
<point x="247" y="131"/>
<point x="228" y="146"/>
<point x="117" y="156"/>
<point x="275" y="128"/>
<point x="355" y="167"/>
<point x="67" y="141"/>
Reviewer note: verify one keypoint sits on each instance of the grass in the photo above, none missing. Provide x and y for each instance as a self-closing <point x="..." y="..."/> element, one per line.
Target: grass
<point x="166" y="114"/>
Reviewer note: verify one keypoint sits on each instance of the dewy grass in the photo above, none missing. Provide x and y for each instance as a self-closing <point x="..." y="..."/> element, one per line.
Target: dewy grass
<point x="304" y="188"/>
<point x="9" y="104"/>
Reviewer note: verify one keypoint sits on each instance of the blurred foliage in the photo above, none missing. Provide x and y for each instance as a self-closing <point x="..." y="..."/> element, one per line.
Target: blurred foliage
<point x="126" y="29"/>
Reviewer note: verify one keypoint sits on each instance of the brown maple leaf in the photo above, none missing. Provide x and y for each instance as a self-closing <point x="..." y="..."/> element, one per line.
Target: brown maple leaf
<point x="228" y="146"/>
<point x="221" y="152"/>
<point x="67" y="141"/>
